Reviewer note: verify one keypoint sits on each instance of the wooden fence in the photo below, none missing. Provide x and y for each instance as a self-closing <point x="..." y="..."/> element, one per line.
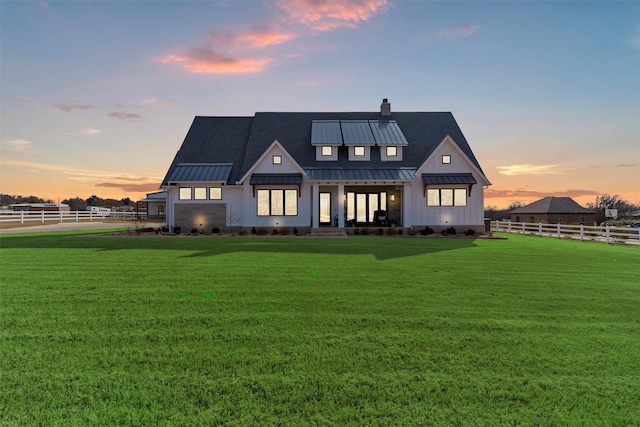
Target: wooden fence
<point x="76" y="216"/>
<point x="607" y="234"/>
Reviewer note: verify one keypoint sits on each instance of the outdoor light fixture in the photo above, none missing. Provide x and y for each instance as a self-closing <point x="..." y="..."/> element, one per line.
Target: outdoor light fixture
<point x="392" y="197"/>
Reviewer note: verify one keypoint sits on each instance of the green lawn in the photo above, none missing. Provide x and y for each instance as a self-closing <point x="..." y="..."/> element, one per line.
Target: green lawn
<point x="188" y="331"/>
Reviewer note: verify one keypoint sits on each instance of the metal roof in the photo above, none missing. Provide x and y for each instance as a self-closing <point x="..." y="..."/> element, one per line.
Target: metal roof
<point x="357" y="132"/>
<point x="201" y="172"/>
<point x="276" y="178"/>
<point x="158" y="196"/>
<point x="326" y="132"/>
<point x="333" y="174"/>
<point x="448" y="178"/>
<point x="387" y="132"/>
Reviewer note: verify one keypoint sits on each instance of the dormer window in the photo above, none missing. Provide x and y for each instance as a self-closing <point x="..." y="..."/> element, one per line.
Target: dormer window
<point x="277" y="160"/>
<point x="358" y="151"/>
<point x="392" y="151"/>
<point x="327" y="150"/>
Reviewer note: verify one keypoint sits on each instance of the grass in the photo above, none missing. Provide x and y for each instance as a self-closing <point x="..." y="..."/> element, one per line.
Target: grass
<point x="298" y="331"/>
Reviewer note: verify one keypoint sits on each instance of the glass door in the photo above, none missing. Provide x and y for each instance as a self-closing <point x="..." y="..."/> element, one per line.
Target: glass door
<point x="325" y="208"/>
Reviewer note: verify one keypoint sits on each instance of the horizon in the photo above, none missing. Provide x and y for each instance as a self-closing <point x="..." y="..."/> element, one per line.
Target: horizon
<point x="546" y="94"/>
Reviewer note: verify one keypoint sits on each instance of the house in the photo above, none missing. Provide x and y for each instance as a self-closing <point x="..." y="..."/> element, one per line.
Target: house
<point x="155" y="203"/>
<point x="554" y="210"/>
<point x="40" y="207"/>
<point x="328" y="169"/>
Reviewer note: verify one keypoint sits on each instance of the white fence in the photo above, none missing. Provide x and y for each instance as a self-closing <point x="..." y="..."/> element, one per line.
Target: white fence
<point x="607" y="234"/>
<point x="43" y="216"/>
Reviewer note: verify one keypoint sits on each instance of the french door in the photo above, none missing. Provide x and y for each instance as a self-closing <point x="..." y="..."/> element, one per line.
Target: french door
<point x="361" y="207"/>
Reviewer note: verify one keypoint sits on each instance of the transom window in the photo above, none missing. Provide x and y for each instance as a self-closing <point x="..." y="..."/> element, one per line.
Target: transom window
<point x="358" y="150"/>
<point x="392" y="151"/>
<point x="200" y="193"/>
<point x="447" y="197"/>
<point x="327" y="150"/>
<point x="277" y="202"/>
<point x="185" y="193"/>
<point x="277" y="160"/>
<point x="446" y="159"/>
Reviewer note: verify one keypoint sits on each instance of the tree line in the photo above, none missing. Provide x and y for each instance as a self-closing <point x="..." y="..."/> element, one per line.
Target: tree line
<point x="75" y="203"/>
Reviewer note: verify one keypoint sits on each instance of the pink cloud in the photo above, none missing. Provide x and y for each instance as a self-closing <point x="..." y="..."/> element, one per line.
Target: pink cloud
<point x="125" y="117"/>
<point x="257" y="37"/>
<point x="70" y="108"/>
<point x="201" y="60"/>
<point x="458" y="33"/>
<point x="143" y="188"/>
<point x="533" y="194"/>
<point x="325" y="15"/>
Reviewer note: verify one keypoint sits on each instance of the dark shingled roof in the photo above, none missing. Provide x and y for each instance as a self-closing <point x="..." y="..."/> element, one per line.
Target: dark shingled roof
<point x="242" y="140"/>
<point x="552" y="205"/>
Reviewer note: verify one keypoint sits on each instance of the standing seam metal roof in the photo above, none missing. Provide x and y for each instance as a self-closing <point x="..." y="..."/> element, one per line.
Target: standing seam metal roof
<point x="448" y="178"/>
<point x="201" y="172"/>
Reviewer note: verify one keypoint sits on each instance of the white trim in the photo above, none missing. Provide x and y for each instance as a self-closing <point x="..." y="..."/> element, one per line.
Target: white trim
<point x="448" y="139"/>
<point x="264" y="156"/>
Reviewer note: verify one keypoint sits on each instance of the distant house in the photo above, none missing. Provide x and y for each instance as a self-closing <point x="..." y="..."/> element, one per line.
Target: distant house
<point x="326" y="169"/>
<point x="155" y="204"/>
<point x="554" y="210"/>
<point x="40" y="207"/>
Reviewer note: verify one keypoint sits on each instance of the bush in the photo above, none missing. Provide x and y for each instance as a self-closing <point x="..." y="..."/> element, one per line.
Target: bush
<point x="215" y="230"/>
<point x="164" y="229"/>
<point x="176" y="229"/>
<point x="253" y="230"/>
<point x="284" y="231"/>
<point x="450" y="231"/>
<point x="365" y="231"/>
<point x="356" y="231"/>
<point x="295" y="231"/>
<point x="274" y="231"/>
<point x="470" y="232"/>
<point x="412" y="231"/>
<point x="427" y="230"/>
<point x="243" y="232"/>
<point x="261" y="231"/>
<point x="194" y="231"/>
<point x="391" y="231"/>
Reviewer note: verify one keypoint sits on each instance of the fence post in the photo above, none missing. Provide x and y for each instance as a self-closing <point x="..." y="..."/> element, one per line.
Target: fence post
<point x="558" y="229"/>
<point x="523" y="228"/>
<point x="581" y="231"/>
<point x="509" y="226"/>
<point x="90" y="216"/>
<point x="76" y="216"/>
<point x="540" y="229"/>
<point x="60" y="216"/>
<point x="606" y="233"/>
<point x="42" y="215"/>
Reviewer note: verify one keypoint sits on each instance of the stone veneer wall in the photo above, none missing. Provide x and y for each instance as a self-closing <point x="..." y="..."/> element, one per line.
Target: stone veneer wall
<point x="203" y="216"/>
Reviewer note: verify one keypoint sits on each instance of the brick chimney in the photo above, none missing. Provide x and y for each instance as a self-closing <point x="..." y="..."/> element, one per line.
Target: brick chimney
<point x="385" y="108"/>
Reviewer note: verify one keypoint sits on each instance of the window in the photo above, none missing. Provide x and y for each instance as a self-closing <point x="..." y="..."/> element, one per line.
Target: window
<point x="277" y="160"/>
<point x="185" y="193"/>
<point x="327" y="150"/>
<point x="215" y="193"/>
<point x="277" y="202"/>
<point x="447" y="197"/>
<point x="446" y="159"/>
<point x="392" y="151"/>
<point x="200" y="193"/>
<point x="358" y="150"/>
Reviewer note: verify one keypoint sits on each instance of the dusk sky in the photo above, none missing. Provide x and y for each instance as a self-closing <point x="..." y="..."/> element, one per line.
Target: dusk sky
<point x="97" y="96"/>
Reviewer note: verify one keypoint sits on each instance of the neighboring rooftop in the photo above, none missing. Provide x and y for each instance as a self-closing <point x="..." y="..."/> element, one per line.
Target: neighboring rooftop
<point x="555" y="205"/>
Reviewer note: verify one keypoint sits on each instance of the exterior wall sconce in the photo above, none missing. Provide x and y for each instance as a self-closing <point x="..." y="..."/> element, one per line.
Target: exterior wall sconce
<point x="392" y="197"/>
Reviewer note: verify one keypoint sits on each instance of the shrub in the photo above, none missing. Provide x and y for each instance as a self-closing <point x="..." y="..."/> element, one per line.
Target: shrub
<point x="412" y="231"/>
<point x="365" y="231"/>
<point x="356" y="231"/>
<point x="427" y="230"/>
<point x="450" y="231"/>
<point x="261" y="231"/>
<point x="470" y="232"/>
<point x="284" y="231"/>
<point x="215" y="230"/>
<point x="176" y="229"/>
<point x="253" y="230"/>
<point x="164" y="229"/>
<point x="243" y="232"/>
<point x="274" y="231"/>
<point x="295" y="231"/>
<point x="194" y="231"/>
<point x="391" y="231"/>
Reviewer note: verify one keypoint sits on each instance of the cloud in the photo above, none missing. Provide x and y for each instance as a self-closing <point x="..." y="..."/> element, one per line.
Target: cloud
<point x="142" y="188"/>
<point x="530" y="170"/>
<point x="125" y="117"/>
<point x="85" y="132"/>
<point x="70" y="108"/>
<point x="203" y="60"/>
<point x="457" y="33"/>
<point x="240" y="52"/>
<point x="532" y="194"/>
<point x="154" y="102"/>
<point x="326" y="15"/>
<point x="16" y="144"/>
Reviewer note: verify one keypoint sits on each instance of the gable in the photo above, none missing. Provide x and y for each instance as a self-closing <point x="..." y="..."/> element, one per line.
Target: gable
<point x="459" y="162"/>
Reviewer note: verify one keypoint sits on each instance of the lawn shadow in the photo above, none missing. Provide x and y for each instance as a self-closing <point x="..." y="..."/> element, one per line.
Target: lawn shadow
<point x="381" y="247"/>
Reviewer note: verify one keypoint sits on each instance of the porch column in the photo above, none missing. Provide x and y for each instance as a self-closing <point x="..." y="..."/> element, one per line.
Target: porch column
<point x="315" y="206"/>
<point x="407" y="218"/>
<point x="341" y="198"/>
